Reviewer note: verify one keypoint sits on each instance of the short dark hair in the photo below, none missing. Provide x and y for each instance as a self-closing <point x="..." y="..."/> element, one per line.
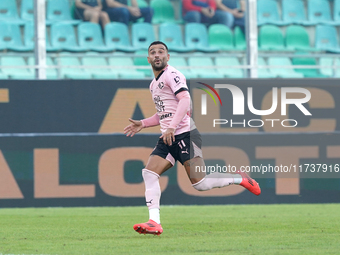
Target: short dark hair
<point x="158" y="42"/>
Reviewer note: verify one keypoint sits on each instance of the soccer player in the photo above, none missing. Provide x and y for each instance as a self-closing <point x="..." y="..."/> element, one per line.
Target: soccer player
<point x="180" y="140"/>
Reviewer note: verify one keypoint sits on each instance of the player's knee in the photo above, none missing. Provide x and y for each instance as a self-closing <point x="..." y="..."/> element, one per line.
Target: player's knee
<point x="202" y="185"/>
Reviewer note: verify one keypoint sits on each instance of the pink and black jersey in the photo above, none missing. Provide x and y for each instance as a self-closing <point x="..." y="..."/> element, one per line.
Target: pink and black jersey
<point x="164" y="89"/>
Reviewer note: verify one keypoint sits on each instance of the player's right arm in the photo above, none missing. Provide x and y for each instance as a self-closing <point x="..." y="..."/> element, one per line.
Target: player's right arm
<point x="138" y="125"/>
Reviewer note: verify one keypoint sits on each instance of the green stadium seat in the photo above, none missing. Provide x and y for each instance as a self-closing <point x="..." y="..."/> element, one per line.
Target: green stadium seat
<point x="142" y="35"/>
<point x="327" y="61"/>
<point x="178" y="63"/>
<point x="293" y="12"/>
<point x="264" y="72"/>
<point x="98" y="73"/>
<point x="240" y="40"/>
<point x="308" y="73"/>
<point x="3" y="76"/>
<point x="171" y="35"/>
<point x="229" y="72"/>
<point x="268" y="13"/>
<point x="196" y="62"/>
<point x="221" y="37"/>
<point x="90" y="37"/>
<point x="163" y="11"/>
<point x="326" y="38"/>
<point x="27" y="10"/>
<point x="336" y="11"/>
<point x="143" y="61"/>
<point x="119" y="64"/>
<point x="16" y="73"/>
<point x="9" y="12"/>
<point x="196" y="37"/>
<point x="59" y="11"/>
<point x="51" y="73"/>
<point x="319" y="12"/>
<point x="63" y="37"/>
<point x="117" y="36"/>
<point x="71" y="72"/>
<point x="10" y="38"/>
<point x="271" y="38"/>
<point x="29" y="38"/>
<point x="297" y="39"/>
<point x="283" y="72"/>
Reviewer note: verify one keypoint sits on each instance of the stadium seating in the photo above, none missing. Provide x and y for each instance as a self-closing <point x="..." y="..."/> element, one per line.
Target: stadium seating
<point x="221" y="37"/>
<point x="293" y="12"/>
<point x="163" y="11"/>
<point x="179" y="62"/>
<point x="263" y="72"/>
<point x="268" y="13"/>
<point x="330" y="62"/>
<point x="229" y="72"/>
<point x="29" y="38"/>
<point x="142" y="35"/>
<point x="297" y="38"/>
<point x="142" y="61"/>
<point x="63" y="37"/>
<point x="197" y="63"/>
<point x="51" y="73"/>
<point x="319" y="12"/>
<point x="120" y="63"/>
<point x="271" y="38"/>
<point x="283" y="72"/>
<point x="90" y="37"/>
<point x="3" y="76"/>
<point x="27" y="10"/>
<point x="16" y="73"/>
<point x="310" y="72"/>
<point x="117" y="36"/>
<point x="9" y="12"/>
<point x="326" y="38"/>
<point x="196" y="36"/>
<point x="336" y="11"/>
<point x="171" y="34"/>
<point x="98" y="73"/>
<point x="71" y="73"/>
<point x="10" y="38"/>
<point x="240" y="40"/>
<point x="59" y="11"/>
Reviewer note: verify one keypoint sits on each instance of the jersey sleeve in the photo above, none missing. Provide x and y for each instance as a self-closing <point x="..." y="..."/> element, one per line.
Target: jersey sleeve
<point x="177" y="82"/>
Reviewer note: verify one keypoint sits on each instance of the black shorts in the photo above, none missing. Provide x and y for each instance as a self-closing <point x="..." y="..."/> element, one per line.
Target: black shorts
<point x="186" y="146"/>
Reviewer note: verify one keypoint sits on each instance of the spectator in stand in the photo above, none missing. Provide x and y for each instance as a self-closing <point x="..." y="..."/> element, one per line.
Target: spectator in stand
<point x="204" y="11"/>
<point x="235" y="14"/>
<point x="120" y="11"/>
<point x="91" y="10"/>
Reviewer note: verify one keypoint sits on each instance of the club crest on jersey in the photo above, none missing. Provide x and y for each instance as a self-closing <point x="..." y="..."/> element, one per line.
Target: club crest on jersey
<point x="161" y="85"/>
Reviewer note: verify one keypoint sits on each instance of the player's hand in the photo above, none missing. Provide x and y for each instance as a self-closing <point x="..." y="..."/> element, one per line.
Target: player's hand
<point x="133" y="128"/>
<point x="168" y="136"/>
<point x="134" y="11"/>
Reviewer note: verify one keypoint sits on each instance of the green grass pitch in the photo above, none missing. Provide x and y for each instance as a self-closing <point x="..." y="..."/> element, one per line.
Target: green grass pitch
<point x="233" y="229"/>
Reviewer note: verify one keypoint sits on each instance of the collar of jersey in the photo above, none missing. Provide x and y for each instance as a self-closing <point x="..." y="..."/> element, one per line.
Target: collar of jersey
<point x="160" y="74"/>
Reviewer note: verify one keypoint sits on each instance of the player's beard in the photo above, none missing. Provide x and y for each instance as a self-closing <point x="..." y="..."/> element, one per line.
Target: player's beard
<point x="159" y="67"/>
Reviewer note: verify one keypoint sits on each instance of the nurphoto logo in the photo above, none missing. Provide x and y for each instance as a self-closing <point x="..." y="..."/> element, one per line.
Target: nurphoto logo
<point x="239" y="105"/>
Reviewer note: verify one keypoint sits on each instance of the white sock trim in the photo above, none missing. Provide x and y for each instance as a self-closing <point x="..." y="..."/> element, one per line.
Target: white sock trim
<point x="151" y="172"/>
<point x="155" y="215"/>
